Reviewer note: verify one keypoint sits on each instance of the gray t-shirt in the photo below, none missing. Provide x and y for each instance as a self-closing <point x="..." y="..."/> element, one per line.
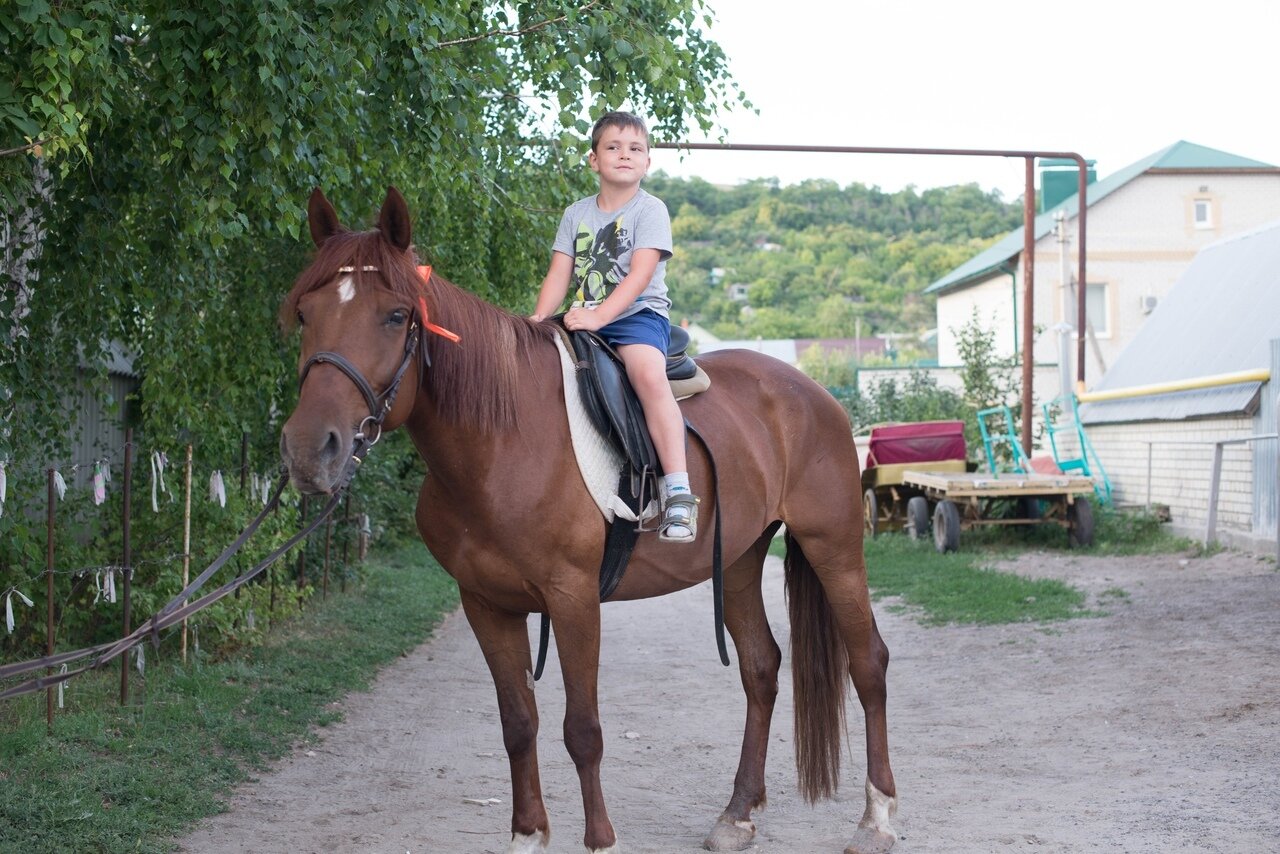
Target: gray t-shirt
<point x="601" y="244"/>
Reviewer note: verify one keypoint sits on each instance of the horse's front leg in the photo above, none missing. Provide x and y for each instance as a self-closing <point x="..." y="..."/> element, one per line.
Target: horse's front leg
<point x="504" y="638"/>
<point x="576" y="620"/>
<point x="758" y="661"/>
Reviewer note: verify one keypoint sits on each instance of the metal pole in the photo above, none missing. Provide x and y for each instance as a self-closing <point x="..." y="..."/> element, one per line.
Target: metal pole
<point x="126" y="570"/>
<point x="186" y="549"/>
<point x="48" y="644"/>
<point x="1150" y="443"/>
<point x="244" y="462"/>
<point x="1082" y="284"/>
<point x="1081" y="211"/>
<point x="1028" y="300"/>
<point x="1211" y="523"/>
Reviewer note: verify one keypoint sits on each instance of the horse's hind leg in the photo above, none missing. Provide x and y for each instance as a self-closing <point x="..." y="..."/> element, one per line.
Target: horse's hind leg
<point x="758" y="661"/>
<point x="829" y="546"/>
<point x="504" y="638"/>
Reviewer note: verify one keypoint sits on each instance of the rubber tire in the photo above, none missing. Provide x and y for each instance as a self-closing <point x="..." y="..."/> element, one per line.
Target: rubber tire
<point x="871" y="512"/>
<point x="1080" y="532"/>
<point x="917" y="517"/>
<point x="946" y="526"/>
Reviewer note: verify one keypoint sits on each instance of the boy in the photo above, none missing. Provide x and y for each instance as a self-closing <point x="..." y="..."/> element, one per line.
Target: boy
<point x="614" y="247"/>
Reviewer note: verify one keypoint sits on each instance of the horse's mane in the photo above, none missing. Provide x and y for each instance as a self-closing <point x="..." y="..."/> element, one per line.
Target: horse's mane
<point x="475" y="382"/>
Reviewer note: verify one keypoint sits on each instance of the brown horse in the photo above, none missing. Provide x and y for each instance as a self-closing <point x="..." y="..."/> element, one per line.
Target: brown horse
<point x="504" y="512"/>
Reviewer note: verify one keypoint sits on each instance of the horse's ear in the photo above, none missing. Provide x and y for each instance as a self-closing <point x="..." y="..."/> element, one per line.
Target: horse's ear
<point x="393" y="221"/>
<point x="322" y="218"/>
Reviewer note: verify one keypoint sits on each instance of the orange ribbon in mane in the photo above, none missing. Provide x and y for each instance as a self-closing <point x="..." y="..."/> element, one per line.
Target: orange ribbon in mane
<point x="424" y="270"/>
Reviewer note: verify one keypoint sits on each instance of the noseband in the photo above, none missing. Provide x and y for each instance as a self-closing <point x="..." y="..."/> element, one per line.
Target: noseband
<point x="370" y="429"/>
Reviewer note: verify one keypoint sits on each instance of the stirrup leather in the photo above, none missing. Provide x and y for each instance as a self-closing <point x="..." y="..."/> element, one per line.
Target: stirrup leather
<point x="690" y="520"/>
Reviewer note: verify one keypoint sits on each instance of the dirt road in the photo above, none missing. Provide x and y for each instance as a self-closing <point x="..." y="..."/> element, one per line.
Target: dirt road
<point x="1155" y="728"/>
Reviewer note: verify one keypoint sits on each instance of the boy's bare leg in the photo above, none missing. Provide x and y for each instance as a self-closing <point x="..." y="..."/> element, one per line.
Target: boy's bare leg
<point x="647" y="371"/>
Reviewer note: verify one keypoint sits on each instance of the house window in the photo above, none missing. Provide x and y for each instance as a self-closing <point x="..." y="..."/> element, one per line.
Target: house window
<point x="1202" y="215"/>
<point x="738" y="293"/>
<point x="1097" y="309"/>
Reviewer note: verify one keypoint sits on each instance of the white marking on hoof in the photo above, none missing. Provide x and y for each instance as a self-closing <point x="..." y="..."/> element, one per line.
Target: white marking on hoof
<point x="615" y="848"/>
<point x="874" y="834"/>
<point x="730" y="835"/>
<point x="347" y="289"/>
<point x="880" y="808"/>
<point x="527" y="843"/>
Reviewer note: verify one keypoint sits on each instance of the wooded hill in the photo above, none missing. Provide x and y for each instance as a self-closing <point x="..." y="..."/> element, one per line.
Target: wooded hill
<point x="815" y="257"/>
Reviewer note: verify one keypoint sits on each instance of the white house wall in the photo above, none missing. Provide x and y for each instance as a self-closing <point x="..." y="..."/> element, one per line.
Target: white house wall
<point x="1140" y="240"/>
<point x="1181" y="459"/>
<point x="994" y="300"/>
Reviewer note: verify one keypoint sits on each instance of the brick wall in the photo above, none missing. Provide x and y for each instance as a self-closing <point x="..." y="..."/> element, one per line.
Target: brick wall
<point x="1180" y="472"/>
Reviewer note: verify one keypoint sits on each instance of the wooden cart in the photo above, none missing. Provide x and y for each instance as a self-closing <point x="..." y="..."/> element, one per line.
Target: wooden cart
<point x="893" y="449"/>
<point x="962" y="500"/>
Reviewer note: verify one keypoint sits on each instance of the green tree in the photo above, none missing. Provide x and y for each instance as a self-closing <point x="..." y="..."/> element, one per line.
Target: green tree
<point x="156" y="157"/>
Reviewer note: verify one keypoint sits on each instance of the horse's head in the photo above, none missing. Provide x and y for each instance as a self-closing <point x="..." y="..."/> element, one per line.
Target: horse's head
<point x="358" y="306"/>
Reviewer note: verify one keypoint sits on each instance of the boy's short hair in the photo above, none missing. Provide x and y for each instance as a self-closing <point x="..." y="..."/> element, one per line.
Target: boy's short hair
<point x="618" y="119"/>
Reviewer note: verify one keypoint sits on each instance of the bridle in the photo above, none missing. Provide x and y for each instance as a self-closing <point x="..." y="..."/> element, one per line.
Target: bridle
<point x="370" y="429"/>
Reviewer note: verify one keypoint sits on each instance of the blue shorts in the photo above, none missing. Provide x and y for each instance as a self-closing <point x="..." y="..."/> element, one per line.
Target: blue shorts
<point x="646" y="326"/>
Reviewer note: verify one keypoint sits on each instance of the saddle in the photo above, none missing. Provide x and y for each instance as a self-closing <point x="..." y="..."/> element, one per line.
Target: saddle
<point x="614" y="409"/>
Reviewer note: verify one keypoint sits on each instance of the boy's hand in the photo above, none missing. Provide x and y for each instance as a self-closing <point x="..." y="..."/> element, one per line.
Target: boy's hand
<point x="583" y="318"/>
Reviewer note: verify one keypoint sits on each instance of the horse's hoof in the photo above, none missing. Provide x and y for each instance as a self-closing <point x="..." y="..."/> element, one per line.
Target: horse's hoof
<point x="528" y="843"/>
<point x="615" y="848"/>
<point x="730" y="835"/>
<point x="868" y="840"/>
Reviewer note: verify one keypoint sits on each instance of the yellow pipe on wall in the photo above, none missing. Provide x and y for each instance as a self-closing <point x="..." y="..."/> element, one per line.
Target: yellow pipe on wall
<point x="1256" y="375"/>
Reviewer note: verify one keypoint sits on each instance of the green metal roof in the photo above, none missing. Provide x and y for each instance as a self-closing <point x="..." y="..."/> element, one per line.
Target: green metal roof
<point x="1181" y="155"/>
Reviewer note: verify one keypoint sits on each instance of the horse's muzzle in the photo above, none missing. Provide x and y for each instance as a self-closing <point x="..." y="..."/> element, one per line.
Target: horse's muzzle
<point x="316" y="460"/>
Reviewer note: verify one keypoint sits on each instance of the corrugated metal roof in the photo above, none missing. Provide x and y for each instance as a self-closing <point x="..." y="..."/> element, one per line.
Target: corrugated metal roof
<point x="1181" y="155"/>
<point x="1218" y="318"/>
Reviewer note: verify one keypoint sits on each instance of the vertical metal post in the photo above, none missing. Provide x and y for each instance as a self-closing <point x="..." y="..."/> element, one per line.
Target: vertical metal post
<point x="126" y="569"/>
<point x="1082" y="284"/>
<point x="244" y="462"/>
<point x="186" y="548"/>
<point x="48" y="589"/>
<point x="1150" y="443"/>
<point x="1211" y="524"/>
<point x="1028" y="299"/>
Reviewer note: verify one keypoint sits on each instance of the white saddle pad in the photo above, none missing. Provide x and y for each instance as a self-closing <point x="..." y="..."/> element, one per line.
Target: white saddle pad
<point x="598" y="461"/>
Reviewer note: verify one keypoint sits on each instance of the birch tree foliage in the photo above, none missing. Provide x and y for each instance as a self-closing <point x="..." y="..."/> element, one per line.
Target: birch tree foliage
<point x="180" y="141"/>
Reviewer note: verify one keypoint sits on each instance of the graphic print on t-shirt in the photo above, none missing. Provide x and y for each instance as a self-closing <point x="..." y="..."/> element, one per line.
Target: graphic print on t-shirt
<point x="596" y="259"/>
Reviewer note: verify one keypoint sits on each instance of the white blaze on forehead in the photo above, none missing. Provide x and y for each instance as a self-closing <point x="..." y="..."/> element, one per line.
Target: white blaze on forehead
<point x="346" y="289"/>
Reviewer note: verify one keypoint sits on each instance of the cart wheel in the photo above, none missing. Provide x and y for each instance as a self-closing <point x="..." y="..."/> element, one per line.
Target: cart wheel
<point x="946" y="526"/>
<point x="917" y="517"/>
<point x="871" y="512"/>
<point x="1080" y="517"/>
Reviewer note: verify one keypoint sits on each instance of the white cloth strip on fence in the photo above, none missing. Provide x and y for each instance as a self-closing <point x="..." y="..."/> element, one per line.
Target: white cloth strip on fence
<point x="8" y="607"/>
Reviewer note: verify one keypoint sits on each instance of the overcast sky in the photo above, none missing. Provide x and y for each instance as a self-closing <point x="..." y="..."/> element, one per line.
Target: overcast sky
<point x="1113" y="81"/>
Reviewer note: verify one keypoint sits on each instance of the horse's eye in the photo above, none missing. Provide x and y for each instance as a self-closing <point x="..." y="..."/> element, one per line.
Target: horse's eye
<point x="398" y="317"/>
<point x="301" y="322"/>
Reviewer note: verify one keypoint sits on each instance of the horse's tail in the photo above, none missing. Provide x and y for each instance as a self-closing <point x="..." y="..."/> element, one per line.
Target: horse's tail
<point x="819" y="677"/>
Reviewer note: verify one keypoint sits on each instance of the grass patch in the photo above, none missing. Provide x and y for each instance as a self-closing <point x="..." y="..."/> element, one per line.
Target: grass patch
<point x="956" y="588"/>
<point x="117" y="779"/>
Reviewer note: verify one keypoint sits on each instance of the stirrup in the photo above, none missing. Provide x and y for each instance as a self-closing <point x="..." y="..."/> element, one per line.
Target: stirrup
<point x="690" y="521"/>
